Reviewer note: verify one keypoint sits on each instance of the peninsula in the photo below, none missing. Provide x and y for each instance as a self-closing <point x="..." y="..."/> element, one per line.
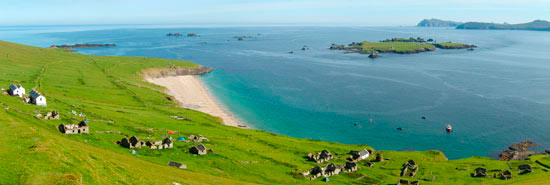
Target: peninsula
<point x="398" y="46"/>
<point x="537" y="25"/>
<point x="437" y="23"/>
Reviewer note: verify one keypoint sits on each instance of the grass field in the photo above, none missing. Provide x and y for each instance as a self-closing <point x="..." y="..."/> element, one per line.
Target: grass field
<point x="113" y="95"/>
<point x="396" y="47"/>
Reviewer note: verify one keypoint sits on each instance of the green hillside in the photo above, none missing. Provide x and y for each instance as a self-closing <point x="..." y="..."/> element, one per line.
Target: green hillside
<point x="112" y="94"/>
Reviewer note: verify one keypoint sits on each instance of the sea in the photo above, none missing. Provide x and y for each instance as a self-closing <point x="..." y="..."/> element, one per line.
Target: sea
<point x="494" y="96"/>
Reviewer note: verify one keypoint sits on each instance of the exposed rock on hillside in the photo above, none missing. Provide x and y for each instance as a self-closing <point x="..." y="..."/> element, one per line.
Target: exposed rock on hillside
<point x="175" y="71"/>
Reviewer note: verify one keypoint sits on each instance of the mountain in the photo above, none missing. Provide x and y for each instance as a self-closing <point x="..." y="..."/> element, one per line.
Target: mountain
<point x="537" y="25"/>
<point x="437" y="23"/>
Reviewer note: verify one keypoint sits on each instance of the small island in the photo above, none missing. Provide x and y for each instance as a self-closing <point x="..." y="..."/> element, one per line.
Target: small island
<point x="82" y="46"/>
<point x="174" y="34"/>
<point x="192" y="35"/>
<point x="398" y="46"/>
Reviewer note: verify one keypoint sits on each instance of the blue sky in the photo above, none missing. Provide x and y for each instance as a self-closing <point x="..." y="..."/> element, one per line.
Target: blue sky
<point x="268" y="12"/>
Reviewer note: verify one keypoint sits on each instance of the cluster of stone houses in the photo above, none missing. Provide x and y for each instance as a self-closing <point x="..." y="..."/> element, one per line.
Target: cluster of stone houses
<point x="34" y="96"/>
<point x="134" y="142"/>
<point x="80" y="128"/>
<point x="198" y="150"/>
<point x="410" y="168"/>
<point x="321" y="157"/>
<point x="329" y="170"/>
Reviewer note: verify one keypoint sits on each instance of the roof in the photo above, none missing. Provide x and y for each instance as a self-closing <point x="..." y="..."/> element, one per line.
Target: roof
<point x="14" y="86"/>
<point x="200" y="147"/>
<point x="83" y="123"/>
<point x="364" y="152"/>
<point x="34" y="94"/>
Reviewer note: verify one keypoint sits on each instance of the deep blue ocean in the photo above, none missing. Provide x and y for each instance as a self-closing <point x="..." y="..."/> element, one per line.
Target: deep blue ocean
<point x="493" y="97"/>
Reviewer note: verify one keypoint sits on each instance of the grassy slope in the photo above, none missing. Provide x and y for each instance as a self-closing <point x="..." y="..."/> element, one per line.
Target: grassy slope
<point x="111" y="92"/>
<point x="400" y="47"/>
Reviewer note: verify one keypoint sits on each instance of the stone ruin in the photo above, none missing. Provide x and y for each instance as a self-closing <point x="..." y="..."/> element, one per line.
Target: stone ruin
<point x="134" y="142"/>
<point x="505" y="175"/>
<point x="410" y="168"/>
<point x="178" y="165"/>
<point x="321" y="157"/>
<point x="198" y="150"/>
<point x="480" y="172"/>
<point x="80" y="128"/>
<point x="525" y="168"/>
<point x="406" y="182"/>
<point x="197" y="139"/>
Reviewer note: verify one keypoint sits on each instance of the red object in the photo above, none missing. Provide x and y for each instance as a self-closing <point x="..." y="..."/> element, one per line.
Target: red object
<point x="170" y="132"/>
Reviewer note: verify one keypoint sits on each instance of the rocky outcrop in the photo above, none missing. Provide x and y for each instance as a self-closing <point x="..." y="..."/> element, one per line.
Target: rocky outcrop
<point x="175" y="71"/>
<point x="192" y="35"/>
<point x="174" y="34"/>
<point x="83" y="46"/>
<point x="518" y="151"/>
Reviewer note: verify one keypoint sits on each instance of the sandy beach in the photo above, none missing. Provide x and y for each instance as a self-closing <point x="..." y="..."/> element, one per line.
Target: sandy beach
<point x="191" y="94"/>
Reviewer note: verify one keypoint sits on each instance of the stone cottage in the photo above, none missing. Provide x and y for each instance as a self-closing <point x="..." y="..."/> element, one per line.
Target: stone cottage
<point x="409" y="169"/>
<point x="350" y="167"/>
<point x="37" y="98"/>
<point x="80" y="128"/>
<point x="198" y="150"/>
<point x="480" y="172"/>
<point x="197" y="139"/>
<point x="358" y="155"/>
<point x="16" y="90"/>
<point x="321" y="157"/>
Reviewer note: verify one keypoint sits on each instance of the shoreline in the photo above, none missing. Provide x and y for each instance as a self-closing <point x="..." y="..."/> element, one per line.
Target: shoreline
<point x="192" y="93"/>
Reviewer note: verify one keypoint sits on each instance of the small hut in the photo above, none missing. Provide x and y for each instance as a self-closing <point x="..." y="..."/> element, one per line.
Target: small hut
<point x="480" y="172"/>
<point x="37" y="98"/>
<point x="198" y="150"/>
<point x="16" y="90"/>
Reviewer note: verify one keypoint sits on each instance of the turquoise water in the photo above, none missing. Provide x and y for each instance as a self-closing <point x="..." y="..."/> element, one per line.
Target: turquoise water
<point x="494" y="96"/>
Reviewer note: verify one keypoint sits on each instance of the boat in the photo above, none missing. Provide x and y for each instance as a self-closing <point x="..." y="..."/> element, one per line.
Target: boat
<point x="449" y="128"/>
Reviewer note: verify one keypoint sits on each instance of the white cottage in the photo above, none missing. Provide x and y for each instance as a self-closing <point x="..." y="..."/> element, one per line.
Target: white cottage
<point x="16" y="90"/>
<point x="37" y="98"/>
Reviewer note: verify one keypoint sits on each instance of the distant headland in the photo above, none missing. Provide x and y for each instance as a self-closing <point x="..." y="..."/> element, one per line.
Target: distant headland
<point x="398" y="46"/>
<point x="438" y="23"/>
<point x="537" y="25"/>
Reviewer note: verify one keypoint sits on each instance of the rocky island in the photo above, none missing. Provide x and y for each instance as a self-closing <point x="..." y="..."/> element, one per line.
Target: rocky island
<point x="83" y="46"/>
<point x="398" y="46"/>
<point x="174" y="34"/>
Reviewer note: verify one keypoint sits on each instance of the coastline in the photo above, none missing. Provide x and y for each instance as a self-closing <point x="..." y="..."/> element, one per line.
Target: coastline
<point x="191" y="93"/>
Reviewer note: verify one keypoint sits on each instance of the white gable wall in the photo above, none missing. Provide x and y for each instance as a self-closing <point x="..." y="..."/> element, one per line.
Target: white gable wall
<point x="41" y="101"/>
